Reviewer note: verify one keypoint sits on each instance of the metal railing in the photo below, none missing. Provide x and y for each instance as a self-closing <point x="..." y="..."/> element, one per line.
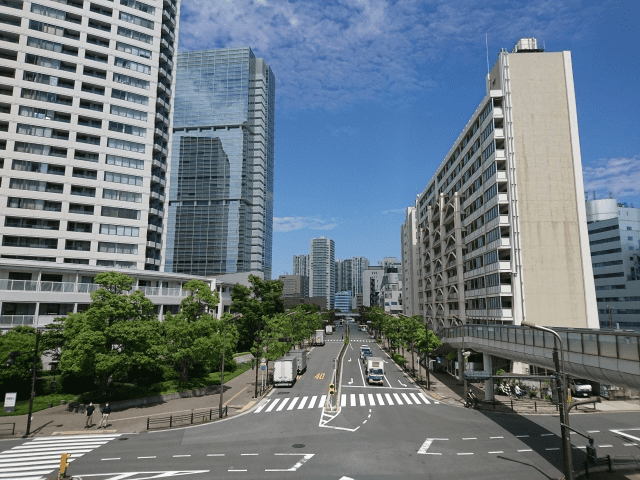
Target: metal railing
<point x="190" y="418"/>
<point x="605" y="343"/>
<point x="72" y="287"/>
<point x="14" y="320"/>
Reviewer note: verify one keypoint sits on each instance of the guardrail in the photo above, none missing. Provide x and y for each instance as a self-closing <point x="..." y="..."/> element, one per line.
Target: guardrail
<point x="191" y="418"/>
<point x="13" y="428"/>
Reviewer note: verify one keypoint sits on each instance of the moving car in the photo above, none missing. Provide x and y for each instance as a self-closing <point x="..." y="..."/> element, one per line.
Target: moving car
<point x="580" y="387"/>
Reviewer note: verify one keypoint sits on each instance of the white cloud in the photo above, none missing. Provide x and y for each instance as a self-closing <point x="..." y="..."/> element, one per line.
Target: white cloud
<point x="394" y="210"/>
<point x="618" y="176"/>
<point x="331" y="53"/>
<point x="288" y="224"/>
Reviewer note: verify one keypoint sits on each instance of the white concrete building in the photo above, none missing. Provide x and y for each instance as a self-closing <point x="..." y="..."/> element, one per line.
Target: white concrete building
<point x="503" y="230"/>
<point x="614" y="238"/>
<point x="410" y="263"/>
<point x="322" y="263"/>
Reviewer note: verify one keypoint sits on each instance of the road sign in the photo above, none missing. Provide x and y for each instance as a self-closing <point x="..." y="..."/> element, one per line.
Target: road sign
<point x="10" y="401"/>
<point x="262" y="367"/>
<point x="263" y="360"/>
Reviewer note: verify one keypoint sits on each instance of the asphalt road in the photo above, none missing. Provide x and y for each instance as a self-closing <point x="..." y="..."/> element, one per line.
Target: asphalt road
<point x="381" y="432"/>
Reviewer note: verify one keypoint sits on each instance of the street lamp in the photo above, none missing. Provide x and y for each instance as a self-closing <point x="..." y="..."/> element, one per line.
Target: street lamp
<point x="11" y="361"/>
<point x="224" y="340"/>
<point x="564" y="414"/>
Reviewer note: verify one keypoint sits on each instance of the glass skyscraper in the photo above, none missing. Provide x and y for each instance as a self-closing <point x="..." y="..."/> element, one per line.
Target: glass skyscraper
<point x="221" y="179"/>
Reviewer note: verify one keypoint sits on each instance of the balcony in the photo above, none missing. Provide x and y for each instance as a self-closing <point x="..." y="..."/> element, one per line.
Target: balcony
<point x="499" y="289"/>
<point x="501" y="176"/>
<point x="499" y="133"/>
<point x="504" y="220"/>
<point x="500" y="154"/>
<point x="15" y="320"/>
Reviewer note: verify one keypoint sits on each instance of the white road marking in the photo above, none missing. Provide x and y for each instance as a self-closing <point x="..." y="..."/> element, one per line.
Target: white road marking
<point x="323" y="399"/>
<point x="547" y="434"/>
<point x="605" y="446"/>
<point x="621" y="432"/>
<point x="525" y="450"/>
<point x="236" y="470"/>
<point x="415" y="399"/>
<point x="182" y="456"/>
<point x="353" y="400"/>
<point x="293" y="403"/>
<point x="379" y="397"/>
<point x="465" y="453"/>
<point x="114" y="458"/>
<point x="371" y="401"/>
<point x="283" y="404"/>
<point x="630" y="444"/>
<point x="301" y="462"/>
<point x="499" y="451"/>
<point x="362" y="401"/>
<point x="273" y="404"/>
<point x="427" y="443"/>
<point x="522" y="436"/>
<point x="351" y="381"/>
<point x="388" y="397"/>
<point x="404" y="385"/>
<point x="398" y="400"/>
<point x="262" y="404"/>
<point x="247" y="454"/>
<point x="424" y="398"/>
<point x="364" y="422"/>
<point x="470" y="438"/>
<point x="593" y="431"/>
<point x="406" y="399"/>
<point x="312" y="401"/>
<point x="495" y="437"/>
<point x="302" y="402"/>
<point x="148" y="457"/>
<point x="215" y="455"/>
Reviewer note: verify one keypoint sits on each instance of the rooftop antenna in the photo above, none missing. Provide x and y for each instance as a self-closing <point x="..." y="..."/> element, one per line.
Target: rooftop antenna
<point x="486" y="42"/>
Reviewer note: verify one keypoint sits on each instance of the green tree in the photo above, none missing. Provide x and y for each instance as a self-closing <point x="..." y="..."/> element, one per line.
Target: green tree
<point x="18" y="376"/>
<point x="117" y="334"/>
<point x="256" y="303"/>
<point x="421" y="344"/>
<point x="412" y="328"/>
<point x="194" y="336"/>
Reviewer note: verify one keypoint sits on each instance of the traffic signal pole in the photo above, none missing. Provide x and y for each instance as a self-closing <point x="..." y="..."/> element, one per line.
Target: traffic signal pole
<point x="33" y="383"/>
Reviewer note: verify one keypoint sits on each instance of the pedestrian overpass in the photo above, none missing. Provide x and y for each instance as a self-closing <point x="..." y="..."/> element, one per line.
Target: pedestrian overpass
<point x="607" y="356"/>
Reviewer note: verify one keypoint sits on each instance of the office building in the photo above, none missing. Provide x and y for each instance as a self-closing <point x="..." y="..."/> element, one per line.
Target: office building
<point x="343" y="301"/>
<point x="322" y="269"/>
<point x="502" y="222"/>
<point x="614" y="238"/>
<point x="294" y="285"/>
<point x="358" y="266"/>
<point x="84" y="124"/>
<point x="410" y="262"/>
<point x="371" y="281"/>
<point x="221" y="185"/>
<point x="390" y="293"/>
<point x="301" y="267"/>
<point x="344" y="276"/>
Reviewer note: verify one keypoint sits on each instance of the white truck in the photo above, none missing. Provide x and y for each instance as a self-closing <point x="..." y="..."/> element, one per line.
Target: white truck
<point x="375" y="370"/>
<point x="318" y="338"/>
<point x="285" y="371"/>
<point x="365" y="352"/>
<point x="328" y="330"/>
<point x="301" y="354"/>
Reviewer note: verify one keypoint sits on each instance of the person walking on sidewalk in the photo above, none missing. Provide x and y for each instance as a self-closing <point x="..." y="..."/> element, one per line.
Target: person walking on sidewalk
<point x="105" y="416"/>
<point x="90" y="410"/>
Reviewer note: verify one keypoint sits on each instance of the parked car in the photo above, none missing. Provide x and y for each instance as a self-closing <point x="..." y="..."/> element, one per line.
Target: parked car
<point x="580" y="387"/>
<point x="604" y="391"/>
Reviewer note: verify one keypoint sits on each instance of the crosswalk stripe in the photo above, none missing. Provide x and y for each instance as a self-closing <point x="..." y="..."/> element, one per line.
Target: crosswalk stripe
<point x="353" y="400"/>
<point x="388" y="397"/>
<point x="312" y="401"/>
<point x="273" y="404"/>
<point x="407" y="399"/>
<point x="322" y="400"/>
<point x="302" y="402"/>
<point x="415" y="399"/>
<point x="40" y="460"/>
<point x="73" y="438"/>
<point x="23" y="448"/>
<point x="343" y="400"/>
<point x="398" y="400"/>
<point x="262" y="405"/>
<point x="424" y="398"/>
<point x="362" y="402"/>
<point x="36" y="454"/>
<point x="371" y="401"/>
<point x="379" y="399"/>
<point x="282" y="405"/>
<point x="293" y="403"/>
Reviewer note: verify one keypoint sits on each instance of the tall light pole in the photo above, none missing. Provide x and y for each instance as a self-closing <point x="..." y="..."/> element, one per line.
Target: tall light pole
<point x="224" y="341"/>
<point x="567" y="456"/>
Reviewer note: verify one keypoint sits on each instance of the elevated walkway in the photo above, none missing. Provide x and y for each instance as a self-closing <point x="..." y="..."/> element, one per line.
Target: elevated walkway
<point x="608" y="357"/>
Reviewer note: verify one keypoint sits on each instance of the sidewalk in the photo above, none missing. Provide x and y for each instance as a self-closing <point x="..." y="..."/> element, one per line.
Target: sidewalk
<point x="447" y="389"/>
<point x="238" y="396"/>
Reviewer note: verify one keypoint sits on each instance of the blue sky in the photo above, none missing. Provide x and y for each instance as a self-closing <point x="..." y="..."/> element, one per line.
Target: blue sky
<point x="372" y="94"/>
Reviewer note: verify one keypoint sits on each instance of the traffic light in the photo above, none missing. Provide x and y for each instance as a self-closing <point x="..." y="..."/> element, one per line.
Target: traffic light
<point x="64" y="463"/>
<point x="331" y="390"/>
<point x="592" y="456"/>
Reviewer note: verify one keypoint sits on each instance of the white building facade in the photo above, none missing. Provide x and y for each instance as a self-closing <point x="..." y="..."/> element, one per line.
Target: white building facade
<point x="322" y="269"/>
<point x="410" y="263"/>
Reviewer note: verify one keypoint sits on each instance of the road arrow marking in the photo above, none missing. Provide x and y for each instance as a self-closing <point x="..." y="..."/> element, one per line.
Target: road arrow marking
<point x="401" y="383"/>
<point x="349" y="358"/>
<point x="621" y="432"/>
<point x="351" y="381"/>
<point x="427" y="443"/>
<point x="124" y="475"/>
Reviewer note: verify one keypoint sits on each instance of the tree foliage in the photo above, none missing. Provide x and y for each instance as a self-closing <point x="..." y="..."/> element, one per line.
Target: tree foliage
<point x="17" y="378"/>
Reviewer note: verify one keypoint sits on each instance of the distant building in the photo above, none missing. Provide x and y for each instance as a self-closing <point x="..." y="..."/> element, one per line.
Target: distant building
<point x="410" y="264"/>
<point x="343" y="301"/>
<point x="614" y="239"/>
<point x="290" y="302"/>
<point x="390" y="295"/>
<point x="301" y="267"/>
<point x="356" y="302"/>
<point x="294" y="285"/>
<point x="322" y="269"/>
<point x="371" y="281"/>
<point x="358" y="266"/>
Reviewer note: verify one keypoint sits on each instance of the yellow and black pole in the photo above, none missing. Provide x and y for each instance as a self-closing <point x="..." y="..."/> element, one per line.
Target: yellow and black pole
<point x="64" y="463"/>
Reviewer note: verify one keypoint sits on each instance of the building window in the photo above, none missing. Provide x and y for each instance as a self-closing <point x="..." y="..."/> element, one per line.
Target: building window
<point x="123" y="248"/>
<point x="29" y="242"/>
<point x="121" y="213"/>
<point x="121" y="230"/>
<point x="136" y="20"/>
<point x="37" y="223"/>
<point x="121" y="195"/>
<point x="81" y="245"/>
<point x="142" y="37"/>
<point x="122" y="178"/>
<point x="125" y="145"/>
<point x="125" y="162"/>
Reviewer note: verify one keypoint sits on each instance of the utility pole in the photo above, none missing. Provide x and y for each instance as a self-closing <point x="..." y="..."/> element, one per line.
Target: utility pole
<point x="567" y="456"/>
<point x="33" y="382"/>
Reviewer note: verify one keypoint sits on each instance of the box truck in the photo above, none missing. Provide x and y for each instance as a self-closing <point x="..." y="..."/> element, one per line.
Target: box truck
<point x="328" y="330"/>
<point x="301" y="354"/>
<point x="375" y="370"/>
<point x="285" y="371"/>
<point x="318" y="338"/>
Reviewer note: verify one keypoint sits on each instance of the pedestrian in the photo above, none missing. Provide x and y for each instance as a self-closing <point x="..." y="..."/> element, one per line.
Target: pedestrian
<point x="90" y="410"/>
<point x="105" y="416"/>
<point x="518" y="392"/>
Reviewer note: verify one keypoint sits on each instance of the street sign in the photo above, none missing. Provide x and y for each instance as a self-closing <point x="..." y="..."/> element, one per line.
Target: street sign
<point x="10" y="401"/>
<point x="263" y="360"/>
<point x="262" y="367"/>
<point x="477" y="376"/>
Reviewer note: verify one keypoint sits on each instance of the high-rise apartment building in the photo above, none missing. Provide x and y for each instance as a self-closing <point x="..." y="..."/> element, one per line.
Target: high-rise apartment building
<point x="614" y="238"/>
<point x="221" y="188"/>
<point x="344" y="278"/>
<point x="301" y="267"/>
<point x="322" y="269"/>
<point x="358" y="266"/>
<point x="86" y="93"/>
<point x="410" y="262"/>
<point x="502" y="223"/>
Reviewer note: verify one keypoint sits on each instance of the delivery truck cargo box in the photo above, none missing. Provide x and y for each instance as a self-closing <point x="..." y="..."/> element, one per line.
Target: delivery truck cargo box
<point x="285" y="371"/>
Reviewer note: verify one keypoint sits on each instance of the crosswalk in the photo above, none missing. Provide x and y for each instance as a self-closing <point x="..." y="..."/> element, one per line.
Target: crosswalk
<point x="347" y="400"/>
<point x="363" y="340"/>
<point x="37" y="458"/>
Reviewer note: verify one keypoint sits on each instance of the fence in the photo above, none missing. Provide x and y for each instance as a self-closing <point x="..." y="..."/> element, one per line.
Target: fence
<point x="190" y="418"/>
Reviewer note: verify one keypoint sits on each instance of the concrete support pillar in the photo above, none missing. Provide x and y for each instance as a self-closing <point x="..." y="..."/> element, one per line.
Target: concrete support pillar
<point x="487" y="361"/>
<point x="460" y="366"/>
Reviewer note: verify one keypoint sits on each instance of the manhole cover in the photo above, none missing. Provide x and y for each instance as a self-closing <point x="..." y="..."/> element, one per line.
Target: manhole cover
<point x="123" y="438"/>
<point x="297" y="445"/>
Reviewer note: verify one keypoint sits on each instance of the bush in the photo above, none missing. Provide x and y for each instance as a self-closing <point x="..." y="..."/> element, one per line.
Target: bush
<point x="399" y="359"/>
<point x="500" y="371"/>
<point x="547" y="397"/>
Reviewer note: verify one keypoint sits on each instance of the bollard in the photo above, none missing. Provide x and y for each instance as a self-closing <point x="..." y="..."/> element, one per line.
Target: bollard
<point x="147" y="423"/>
<point x="610" y="463"/>
<point x="511" y="404"/>
<point x="191" y="417"/>
<point x="535" y="404"/>
<point x="170" y="420"/>
<point x="210" y="413"/>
